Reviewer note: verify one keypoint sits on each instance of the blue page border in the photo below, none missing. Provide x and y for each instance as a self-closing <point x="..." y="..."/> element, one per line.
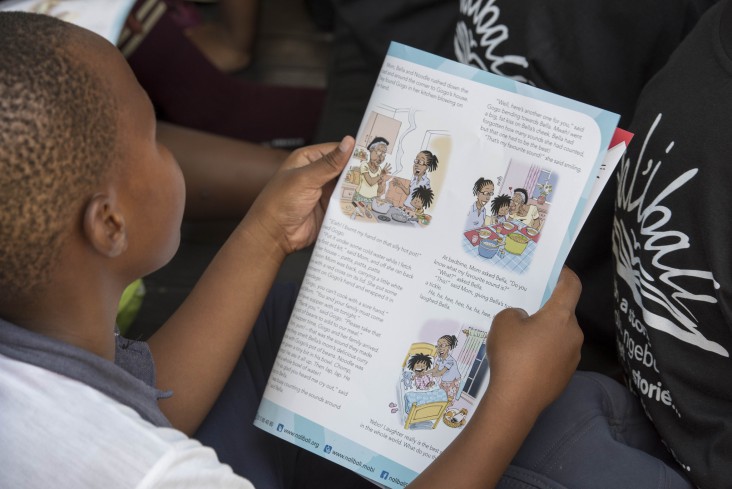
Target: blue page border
<point x="315" y="438"/>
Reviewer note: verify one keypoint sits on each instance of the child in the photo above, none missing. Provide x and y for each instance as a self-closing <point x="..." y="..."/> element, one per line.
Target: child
<point x="499" y="209"/>
<point x="421" y="199"/>
<point x="419" y="363"/>
<point x="92" y="202"/>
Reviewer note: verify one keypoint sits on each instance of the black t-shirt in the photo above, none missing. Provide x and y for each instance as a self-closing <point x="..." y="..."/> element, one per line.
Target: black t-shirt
<point x="599" y="52"/>
<point x="362" y="33"/>
<point x="673" y="263"/>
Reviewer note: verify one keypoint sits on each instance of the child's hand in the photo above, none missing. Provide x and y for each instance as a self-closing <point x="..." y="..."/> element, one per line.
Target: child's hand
<point x="533" y="357"/>
<point x="290" y="209"/>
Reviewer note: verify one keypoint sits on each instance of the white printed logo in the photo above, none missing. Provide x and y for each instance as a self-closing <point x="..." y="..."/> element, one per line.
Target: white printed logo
<point x="658" y="238"/>
<point x="490" y="34"/>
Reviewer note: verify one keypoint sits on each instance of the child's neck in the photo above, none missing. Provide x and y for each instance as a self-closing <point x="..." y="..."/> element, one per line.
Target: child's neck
<point x="83" y="319"/>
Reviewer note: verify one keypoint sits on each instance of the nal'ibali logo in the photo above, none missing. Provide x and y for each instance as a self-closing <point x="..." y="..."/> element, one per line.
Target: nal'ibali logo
<point x="654" y="282"/>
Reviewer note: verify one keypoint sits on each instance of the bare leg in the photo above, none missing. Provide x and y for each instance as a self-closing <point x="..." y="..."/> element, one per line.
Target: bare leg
<point x="223" y="175"/>
<point x="228" y="40"/>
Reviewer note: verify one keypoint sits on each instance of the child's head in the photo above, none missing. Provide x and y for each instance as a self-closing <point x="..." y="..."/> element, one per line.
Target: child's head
<point x="422" y="198"/>
<point x="82" y="178"/>
<point x="500" y="205"/>
<point x="419" y="363"/>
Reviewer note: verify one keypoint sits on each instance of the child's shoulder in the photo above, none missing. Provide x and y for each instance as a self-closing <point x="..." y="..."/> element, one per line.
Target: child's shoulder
<point x="61" y="428"/>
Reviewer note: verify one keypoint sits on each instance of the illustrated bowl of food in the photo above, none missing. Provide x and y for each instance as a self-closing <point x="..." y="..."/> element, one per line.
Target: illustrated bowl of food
<point x="531" y="232"/>
<point x="488" y="248"/>
<point x="484" y="234"/>
<point x="516" y="243"/>
<point x="508" y="226"/>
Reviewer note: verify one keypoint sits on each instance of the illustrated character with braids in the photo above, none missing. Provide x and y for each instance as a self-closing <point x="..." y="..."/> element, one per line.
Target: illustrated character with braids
<point x="424" y="161"/>
<point x="446" y="367"/>
<point x="483" y="191"/>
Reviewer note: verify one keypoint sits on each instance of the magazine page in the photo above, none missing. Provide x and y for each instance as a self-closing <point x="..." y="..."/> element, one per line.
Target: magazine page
<point x="462" y="197"/>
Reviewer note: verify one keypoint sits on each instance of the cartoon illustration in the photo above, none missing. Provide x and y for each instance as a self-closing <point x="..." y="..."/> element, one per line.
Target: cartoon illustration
<point x="421" y="199"/>
<point x="420" y="365"/>
<point x="520" y="210"/>
<point x="421" y="408"/>
<point x="407" y="378"/>
<point x="390" y="190"/>
<point x="483" y="191"/>
<point x="509" y="236"/>
<point x="499" y="209"/>
<point x="424" y="161"/>
<point x="442" y="380"/>
<point x="446" y="367"/>
<point x="455" y="418"/>
<point x="370" y="172"/>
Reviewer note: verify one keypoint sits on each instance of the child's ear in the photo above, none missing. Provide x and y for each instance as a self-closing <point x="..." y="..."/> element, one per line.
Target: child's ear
<point x="104" y="225"/>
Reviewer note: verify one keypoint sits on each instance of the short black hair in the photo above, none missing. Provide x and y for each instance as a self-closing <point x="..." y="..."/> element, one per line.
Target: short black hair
<point x="499" y="201"/>
<point x="424" y="193"/>
<point x="57" y="139"/>
<point x="480" y="183"/>
<point x="419" y="357"/>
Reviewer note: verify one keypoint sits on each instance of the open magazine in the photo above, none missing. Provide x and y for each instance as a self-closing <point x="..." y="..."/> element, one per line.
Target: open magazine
<point x="462" y="197"/>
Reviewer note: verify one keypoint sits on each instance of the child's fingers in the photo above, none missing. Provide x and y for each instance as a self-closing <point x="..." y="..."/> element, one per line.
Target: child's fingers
<point x="567" y="291"/>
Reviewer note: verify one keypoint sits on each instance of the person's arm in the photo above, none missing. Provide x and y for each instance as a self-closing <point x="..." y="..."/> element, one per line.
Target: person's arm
<point x="223" y="175"/>
<point x="531" y="360"/>
<point x="374" y="180"/>
<point x="196" y="350"/>
<point x="534" y="214"/>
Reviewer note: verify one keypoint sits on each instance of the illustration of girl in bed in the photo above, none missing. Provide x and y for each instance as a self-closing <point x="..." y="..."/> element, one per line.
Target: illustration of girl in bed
<point x="446" y="367"/>
<point x="420" y="363"/>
